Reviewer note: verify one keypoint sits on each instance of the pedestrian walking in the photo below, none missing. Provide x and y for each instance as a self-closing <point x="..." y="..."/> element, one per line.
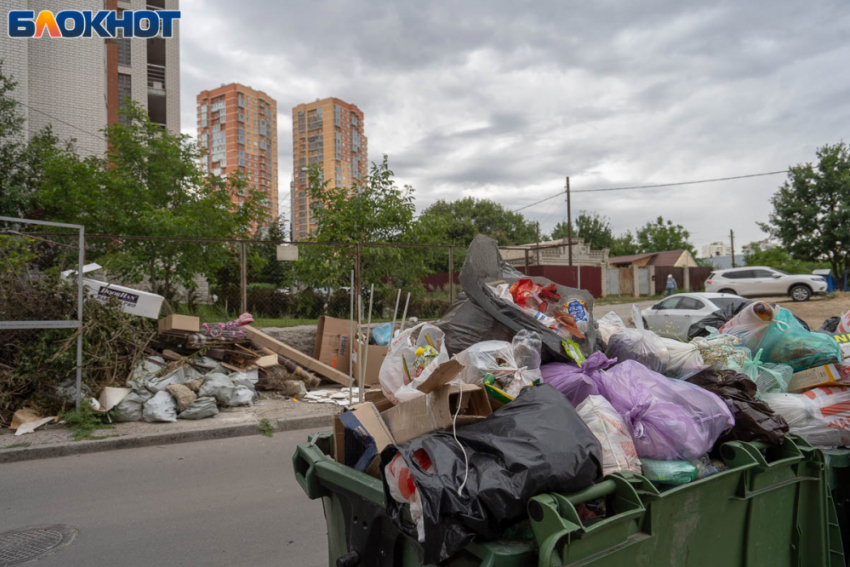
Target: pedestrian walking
<point x="671" y="284"/>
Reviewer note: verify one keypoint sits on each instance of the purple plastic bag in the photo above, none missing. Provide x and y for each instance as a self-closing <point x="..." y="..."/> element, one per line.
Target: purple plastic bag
<point x="668" y="419"/>
<point x="574" y="382"/>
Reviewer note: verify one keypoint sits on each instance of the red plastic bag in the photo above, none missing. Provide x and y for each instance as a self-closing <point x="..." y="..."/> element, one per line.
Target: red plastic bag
<point x="530" y="295"/>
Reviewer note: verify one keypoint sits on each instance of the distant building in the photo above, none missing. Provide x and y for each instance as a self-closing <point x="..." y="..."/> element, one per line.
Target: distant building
<point x="237" y="126"/>
<point x="672" y="258"/>
<point x="766" y="244"/>
<point x="716" y="249"/>
<point x="550" y="254"/>
<point x="78" y="85"/>
<point x="328" y="132"/>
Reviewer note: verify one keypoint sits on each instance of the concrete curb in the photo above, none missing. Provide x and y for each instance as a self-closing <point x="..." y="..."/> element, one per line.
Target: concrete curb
<point x="152" y="439"/>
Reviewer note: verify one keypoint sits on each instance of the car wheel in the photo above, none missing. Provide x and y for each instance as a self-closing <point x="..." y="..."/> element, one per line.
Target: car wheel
<point x="800" y="293"/>
<point x="727" y="290"/>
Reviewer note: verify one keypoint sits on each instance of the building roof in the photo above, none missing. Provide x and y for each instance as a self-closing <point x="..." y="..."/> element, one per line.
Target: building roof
<point x="666" y="258"/>
<point x="629" y="259"/>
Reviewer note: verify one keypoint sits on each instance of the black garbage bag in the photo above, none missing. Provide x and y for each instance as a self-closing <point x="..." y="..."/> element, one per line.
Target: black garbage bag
<point x="721" y="317"/>
<point x="754" y="419"/>
<point x="490" y="317"/>
<point x="535" y="444"/>
<point x="830" y="326"/>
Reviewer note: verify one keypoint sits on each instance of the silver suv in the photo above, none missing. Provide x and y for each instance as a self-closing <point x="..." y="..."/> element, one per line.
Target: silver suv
<point x="754" y="281"/>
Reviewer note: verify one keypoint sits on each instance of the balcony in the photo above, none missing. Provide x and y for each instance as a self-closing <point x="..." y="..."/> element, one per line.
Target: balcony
<point x="156" y="80"/>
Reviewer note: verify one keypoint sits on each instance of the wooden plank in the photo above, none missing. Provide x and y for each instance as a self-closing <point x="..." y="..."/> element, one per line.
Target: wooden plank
<point x="296" y="356"/>
<point x="267" y="361"/>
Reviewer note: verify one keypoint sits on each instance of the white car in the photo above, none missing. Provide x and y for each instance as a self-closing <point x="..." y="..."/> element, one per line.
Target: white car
<point x="754" y="281"/>
<point x="673" y="316"/>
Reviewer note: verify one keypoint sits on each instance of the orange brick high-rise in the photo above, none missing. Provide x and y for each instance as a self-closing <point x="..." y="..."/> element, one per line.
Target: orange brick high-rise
<point x="237" y="127"/>
<point x="328" y="132"/>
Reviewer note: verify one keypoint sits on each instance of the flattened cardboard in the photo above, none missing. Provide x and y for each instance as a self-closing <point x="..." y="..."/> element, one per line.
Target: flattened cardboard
<point x="333" y="343"/>
<point x="827" y="375"/>
<point x="434" y="411"/>
<point x="179" y="323"/>
<point x="377" y="354"/>
<point x="360" y="435"/>
<point x="441" y="376"/>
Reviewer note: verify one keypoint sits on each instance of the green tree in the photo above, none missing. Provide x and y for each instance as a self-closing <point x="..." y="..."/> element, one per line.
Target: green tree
<point x="811" y="210"/>
<point x="660" y="236"/>
<point x="458" y="222"/>
<point x="593" y="228"/>
<point x="777" y="258"/>
<point x="624" y="245"/>
<point x="150" y="184"/>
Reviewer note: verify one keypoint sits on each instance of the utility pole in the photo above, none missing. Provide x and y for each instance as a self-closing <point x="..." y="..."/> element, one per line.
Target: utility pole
<point x="732" y="239"/>
<point x="537" y="244"/>
<point x="569" y="224"/>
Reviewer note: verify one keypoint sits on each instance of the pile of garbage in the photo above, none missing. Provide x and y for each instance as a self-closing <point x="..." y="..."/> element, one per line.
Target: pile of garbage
<point x="520" y="391"/>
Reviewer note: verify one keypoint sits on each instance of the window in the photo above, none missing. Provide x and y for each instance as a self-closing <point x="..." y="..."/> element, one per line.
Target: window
<point x="124" y="52"/>
<point x="690" y="303"/>
<point x="762" y="274"/>
<point x="723" y="302"/>
<point x="739" y="274"/>
<point x="125" y="91"/>
<point x="669" y="303"/>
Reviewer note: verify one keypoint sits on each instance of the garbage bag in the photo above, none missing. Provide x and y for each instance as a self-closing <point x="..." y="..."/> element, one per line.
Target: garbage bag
<point x="241" y="396"/>
<point x="642" y="346"/>
<point x="491" y="314"/>
<point x="144" y="371"/>
<point x="200" y="409"/>
<point x="668" y="419"/>
<point x="496" y="358"/>
<point x="754" y="418"/>
<point x="783" y="338"/>
<point x="217" y="386"/>
<point x="719" y="351"/>
<point x="535" y="444"/>
<point x="769" y="377"/>
<point x="577" y="383"/>
<point x="669" y="472"/>
<point x="830" y="325"/>
<point x="821" y="416"/>
<point x="618" y="449"/>
<point x="716" y="319"/>
<point x="526" y="346"/>
<point x="402" y="370"/>
<point x="383" y="334"/>
<point x="130" y="408"/>
<point x="155" y="385"/>
<point x="608" y="325"/>
<point x="403" y="489"/>
<point x="161" y="407"/>
<point x="685" y="359"/>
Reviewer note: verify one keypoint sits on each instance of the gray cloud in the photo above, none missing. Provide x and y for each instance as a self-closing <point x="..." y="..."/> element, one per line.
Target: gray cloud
<point x="502" y="99"/>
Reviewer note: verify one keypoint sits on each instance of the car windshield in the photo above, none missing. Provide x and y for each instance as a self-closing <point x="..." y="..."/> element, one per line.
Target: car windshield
<point x="723" y="302"/>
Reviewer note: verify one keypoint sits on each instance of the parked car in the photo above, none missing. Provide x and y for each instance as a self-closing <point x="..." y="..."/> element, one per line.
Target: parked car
<point x="674" y="315"/>
<point x="754" y="281"/>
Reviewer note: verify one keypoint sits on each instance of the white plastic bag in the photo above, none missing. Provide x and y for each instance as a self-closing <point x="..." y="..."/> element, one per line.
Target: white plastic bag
<point x="496" y="358"/>
<point x="639" y="345"/>
<point x="751" y="323"/>
<point x="685" y="359"/>
<point x="608" y="325"/>
<point x="397" y="379"/>
<point x="618" y="449"/>
<point x="161" y="407"/>
<point x="403" y="490"/>
<point x="241" y="396"/>
<point x="844" y="324"/>
<point x="821" y="416"/>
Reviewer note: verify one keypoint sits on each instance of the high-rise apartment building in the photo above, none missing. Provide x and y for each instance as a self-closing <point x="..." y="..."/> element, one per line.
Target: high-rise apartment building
<point x="237" y="125"/>
<point x="328" y="132"/>
<point x="78" y="85"/>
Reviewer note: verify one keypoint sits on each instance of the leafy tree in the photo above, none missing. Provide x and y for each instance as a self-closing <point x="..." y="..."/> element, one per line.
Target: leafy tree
<point x="811" y="210"/>
<point x="777" y="258"/>
<point x="150" y="183"/>
<point x="593" y="228"/>
<point x="624" y="245"/>
<point x="660" y="236"/>
<point x="458" y="222"/>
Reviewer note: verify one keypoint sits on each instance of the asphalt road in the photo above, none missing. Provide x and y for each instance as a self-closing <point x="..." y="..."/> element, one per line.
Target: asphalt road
<point x="231" y="502"/>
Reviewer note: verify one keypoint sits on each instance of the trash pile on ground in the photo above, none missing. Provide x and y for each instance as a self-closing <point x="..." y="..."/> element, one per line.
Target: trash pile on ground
<point x="518" y="391"/>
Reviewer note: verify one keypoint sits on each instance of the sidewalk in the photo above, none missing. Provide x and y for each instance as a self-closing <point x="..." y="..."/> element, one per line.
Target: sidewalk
<point x="56" y="440"/>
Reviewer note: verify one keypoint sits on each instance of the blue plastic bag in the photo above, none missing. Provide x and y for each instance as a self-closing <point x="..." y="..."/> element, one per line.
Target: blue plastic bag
<point x="383" y="334"/>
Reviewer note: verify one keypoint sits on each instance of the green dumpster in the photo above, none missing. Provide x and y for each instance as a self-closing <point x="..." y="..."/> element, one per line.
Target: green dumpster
<point x="838" y="476"/>
<point x="771" y="508"/>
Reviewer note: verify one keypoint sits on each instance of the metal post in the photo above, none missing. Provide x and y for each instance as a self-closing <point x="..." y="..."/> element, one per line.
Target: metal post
<point x="451" y="276"/>
<point x="537" y="243"/>
<point x="351" y="344"/>
<point x="243" y="278"/>
<point x="526" y="261"/>
<point x="395" y="314"/>
<point x="362" y="381"/>
<point x="569" y="225"/>
<point x="357" y="273"/>
<point x="404" y="315"/>
<point x="82" y="259"/>
<point x="732" y="238"/>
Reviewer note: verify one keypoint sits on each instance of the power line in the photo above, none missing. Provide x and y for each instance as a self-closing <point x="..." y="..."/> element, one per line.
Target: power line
<point x="633" y="187"/>
<point x="62" y="121"/>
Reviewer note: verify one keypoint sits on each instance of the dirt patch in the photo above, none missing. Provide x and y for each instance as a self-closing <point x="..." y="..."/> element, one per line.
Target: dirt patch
<point x="816" y="310"/>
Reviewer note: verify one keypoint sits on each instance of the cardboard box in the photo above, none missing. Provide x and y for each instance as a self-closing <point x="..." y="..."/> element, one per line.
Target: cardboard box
<point x="133" y="301"/>
<point x="179" y="323"/>
<point x="376" y="357"/>
<point x="360" y="435"/>
<point x="827" y="375"/>
<point x="435" y="411"/>
<point x="333" y="343"/>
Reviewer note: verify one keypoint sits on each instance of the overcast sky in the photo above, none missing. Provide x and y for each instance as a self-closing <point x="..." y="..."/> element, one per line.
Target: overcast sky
<point x="503" y="99"/>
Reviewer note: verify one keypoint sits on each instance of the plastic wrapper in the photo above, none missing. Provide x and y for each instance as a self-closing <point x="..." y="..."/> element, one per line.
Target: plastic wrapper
<point x="669" y="472"/>
<point x="618" y="449"/>
<point x="719" y="351"/>
<point x="383" y="334"/>
<point x="217" y="386"/>
<point x="161" y="407"/>
<point x="639" y="345"/>
<point x="754" y="418"/>
<point x="402" y="488"/>
<point x="526" y="346"/>
<point x="608" y="325"/>
<point x="821" y="416"/>
<point x="399" y="375"/>
<point x="783" y="338"/>
<point x="769" y="378"/>
<point x="685" y="359"/>
<point x="199" y="409"/>
<point x="533" y="445"/>
<point x="480" y="314"/>
<point x="668" y="419"/>
<point x="843" y="325"/>
<point x="488" y="357"/>
<point x="708" y="467"/>
<point x="574" y="382"/>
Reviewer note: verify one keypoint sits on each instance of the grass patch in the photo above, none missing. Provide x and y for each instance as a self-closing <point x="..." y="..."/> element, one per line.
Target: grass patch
<point x="85" y="422"/>
<point x="266" y="428"/>
<point x="23" y="445"/>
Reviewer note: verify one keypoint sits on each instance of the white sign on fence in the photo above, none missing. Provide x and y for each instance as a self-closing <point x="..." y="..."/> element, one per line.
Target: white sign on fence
<point x="287" y="253"/>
